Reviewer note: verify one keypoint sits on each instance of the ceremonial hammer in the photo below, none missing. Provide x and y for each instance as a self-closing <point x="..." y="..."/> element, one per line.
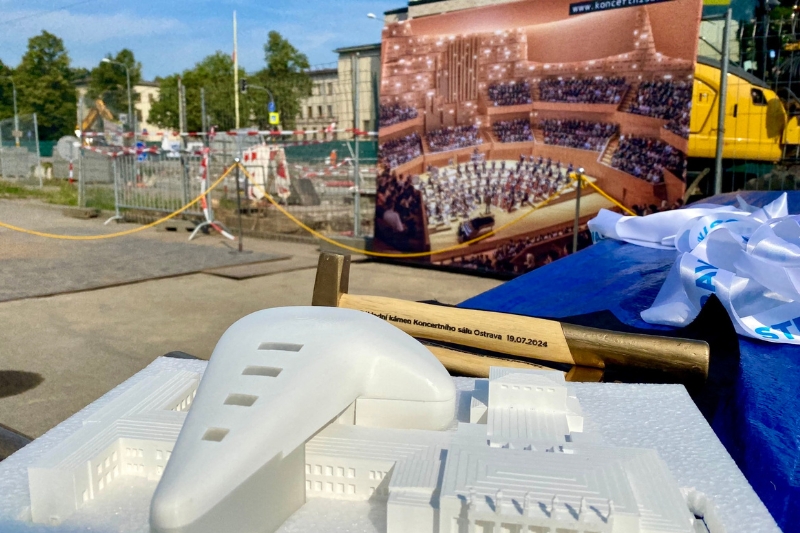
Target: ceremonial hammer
<point x="526" y="338"/>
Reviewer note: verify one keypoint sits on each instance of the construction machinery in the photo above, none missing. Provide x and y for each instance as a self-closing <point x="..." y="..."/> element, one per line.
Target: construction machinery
<point x="97" y="111"/>
<point x="760" y="124"/>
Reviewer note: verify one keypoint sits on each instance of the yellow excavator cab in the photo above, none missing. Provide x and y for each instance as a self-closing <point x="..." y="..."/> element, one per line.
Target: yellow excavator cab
<point x="756" y="122"/>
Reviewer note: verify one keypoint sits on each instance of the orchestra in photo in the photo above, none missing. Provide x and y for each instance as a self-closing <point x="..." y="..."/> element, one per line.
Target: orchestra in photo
<point x="488" y="112"/>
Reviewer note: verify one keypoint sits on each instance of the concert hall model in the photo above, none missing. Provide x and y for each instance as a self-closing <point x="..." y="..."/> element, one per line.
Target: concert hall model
<point x="307" y="403"/>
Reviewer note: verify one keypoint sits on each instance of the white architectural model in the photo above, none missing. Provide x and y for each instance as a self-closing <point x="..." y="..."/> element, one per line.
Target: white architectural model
<point x="301" y="403"/>
<point x="133" y="436"/>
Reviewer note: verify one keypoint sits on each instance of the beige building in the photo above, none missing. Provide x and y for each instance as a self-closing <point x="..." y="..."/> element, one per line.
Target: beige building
<point x="333" y="92"/>
<point x="319" y="110"/>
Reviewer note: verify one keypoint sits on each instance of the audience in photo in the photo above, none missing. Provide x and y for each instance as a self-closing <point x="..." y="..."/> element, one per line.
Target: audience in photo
<point x="581" y="134"/>
<point x="396" y="152"/>
<point x="513" y="131"/>
<point x="646" y="158"/>
<point x="395" y="114"/>
<point x="513" y="93"/>
<point x="398" y="203"/>
<point x="583" y="91"/>
<point x="669" y="100"/>
<point x="453" y="138"/>
<point x="457" y="193"/>
<point x="518" y="256"/>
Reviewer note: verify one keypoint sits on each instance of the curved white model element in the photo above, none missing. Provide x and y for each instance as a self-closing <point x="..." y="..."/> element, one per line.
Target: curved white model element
<point x="276" y="378"/>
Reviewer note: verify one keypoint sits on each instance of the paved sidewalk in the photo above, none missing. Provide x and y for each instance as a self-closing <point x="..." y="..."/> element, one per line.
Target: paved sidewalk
<point x="82" y="344"/>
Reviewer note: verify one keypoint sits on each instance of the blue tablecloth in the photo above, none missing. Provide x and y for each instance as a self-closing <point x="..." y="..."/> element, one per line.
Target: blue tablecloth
<point x="758" y="420"/>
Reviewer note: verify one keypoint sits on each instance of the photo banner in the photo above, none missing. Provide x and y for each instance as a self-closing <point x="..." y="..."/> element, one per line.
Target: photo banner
<point x="487" y="113"/>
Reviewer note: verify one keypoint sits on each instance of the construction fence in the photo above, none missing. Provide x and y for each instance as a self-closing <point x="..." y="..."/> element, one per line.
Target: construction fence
<point x="19" y="150"/>
<point x="762" y="132"/>
<point x="321" y="184"/>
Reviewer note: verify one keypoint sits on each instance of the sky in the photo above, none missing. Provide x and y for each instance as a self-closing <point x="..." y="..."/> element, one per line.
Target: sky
<point x="169" y="36"/>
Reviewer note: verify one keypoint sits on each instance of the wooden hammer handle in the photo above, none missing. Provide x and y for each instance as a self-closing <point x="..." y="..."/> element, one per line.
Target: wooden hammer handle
<point x="536" y="338"/>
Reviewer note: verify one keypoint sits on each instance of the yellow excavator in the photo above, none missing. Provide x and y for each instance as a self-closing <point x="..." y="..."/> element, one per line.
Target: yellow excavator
<point x="98" y="110"/>
<point x="760" y="125"/>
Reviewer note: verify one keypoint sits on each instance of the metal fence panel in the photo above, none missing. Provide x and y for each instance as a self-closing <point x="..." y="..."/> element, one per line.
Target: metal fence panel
<point x="19" y="149"/>
<point x="762" y="146"/>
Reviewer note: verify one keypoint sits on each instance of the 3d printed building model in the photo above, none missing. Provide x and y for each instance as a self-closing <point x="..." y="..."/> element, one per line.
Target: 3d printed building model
<point x="133" y="436"/>
<point x="301" y="403"/>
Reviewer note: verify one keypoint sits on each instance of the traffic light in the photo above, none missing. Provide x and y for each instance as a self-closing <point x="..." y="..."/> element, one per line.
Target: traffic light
<point x="243" y="86"/>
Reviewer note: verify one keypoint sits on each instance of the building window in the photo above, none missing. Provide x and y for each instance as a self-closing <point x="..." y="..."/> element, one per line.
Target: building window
<point x="100" y="469"/>
<point x="328" y="470"/>
<point x="319" y="111"/>
<point x="366" y="125"/>
<point x="310" y="112"/>
<point x="317" y="485"/>
<point x="330" y="89"/>
<point x="340" y="472"/>
<point x="318" y="470"/>
<point x="114" y="456"/>
<point x="308" y="485"/>
<point x="351" y="489"/>
<point x="308" y="469"/>
<point x="351" y="472"/>
<point x="330" y="111"/>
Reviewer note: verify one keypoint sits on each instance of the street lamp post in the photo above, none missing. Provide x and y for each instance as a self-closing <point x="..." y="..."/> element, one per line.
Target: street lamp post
<point x="131" y="117"/>
<point x="16" y="115"/>
<point x="132" y="125"/>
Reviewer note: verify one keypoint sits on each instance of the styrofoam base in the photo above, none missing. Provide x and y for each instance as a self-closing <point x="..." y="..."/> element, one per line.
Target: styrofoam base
<point x="662" y="417"/>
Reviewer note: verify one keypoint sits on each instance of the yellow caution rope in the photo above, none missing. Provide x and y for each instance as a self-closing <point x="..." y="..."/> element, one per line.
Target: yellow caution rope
<point x="392" y="255"/>
<point x="120" y="233"/>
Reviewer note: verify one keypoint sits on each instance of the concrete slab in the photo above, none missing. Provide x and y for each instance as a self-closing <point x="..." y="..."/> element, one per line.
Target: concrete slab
<point x="31" y="266"/>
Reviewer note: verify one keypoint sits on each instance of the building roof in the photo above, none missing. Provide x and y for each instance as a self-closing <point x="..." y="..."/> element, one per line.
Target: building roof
<point x="323" y="72"/>
<point x="398" y="11"/>
<point x="359" y="48"/>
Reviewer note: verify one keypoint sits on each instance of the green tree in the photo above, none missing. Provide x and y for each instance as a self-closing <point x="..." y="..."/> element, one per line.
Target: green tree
<point x="286" y="76"/>
<point x="44" y="86"/>
<point x="214" y="74"/>
<point x="6" y="93"/>
<point x="108" y="81"/>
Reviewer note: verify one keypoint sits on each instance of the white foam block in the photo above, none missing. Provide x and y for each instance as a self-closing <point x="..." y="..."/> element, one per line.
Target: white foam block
<point x="662" y="417"/>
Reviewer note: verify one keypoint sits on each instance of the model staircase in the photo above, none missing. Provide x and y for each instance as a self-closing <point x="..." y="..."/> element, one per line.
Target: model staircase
<point x="609" y="151"/>
<point x="538" y="135"/>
